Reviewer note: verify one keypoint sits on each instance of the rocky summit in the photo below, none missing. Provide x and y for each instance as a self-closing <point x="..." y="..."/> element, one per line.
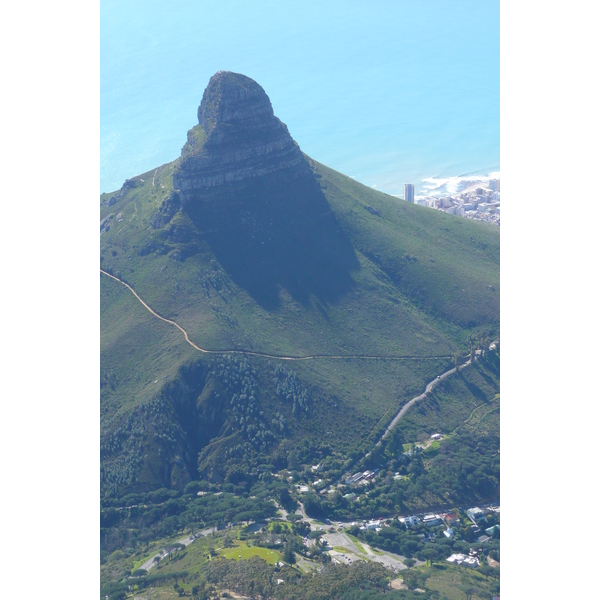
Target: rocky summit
<point x="237" y="137"/>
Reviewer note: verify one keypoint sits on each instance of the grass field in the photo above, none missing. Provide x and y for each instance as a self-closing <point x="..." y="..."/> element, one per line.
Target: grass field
<point x="244" y="552"/>
<point x="453" y="582"/>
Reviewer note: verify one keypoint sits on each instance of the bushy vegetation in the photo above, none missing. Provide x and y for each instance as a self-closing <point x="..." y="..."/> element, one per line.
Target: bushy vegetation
<point x="244" y="407"/>
<point x="148" y="519"/>
<point x="290" y="387"/>
<point x="255" y="578"/>
<point x="122" y="448"/>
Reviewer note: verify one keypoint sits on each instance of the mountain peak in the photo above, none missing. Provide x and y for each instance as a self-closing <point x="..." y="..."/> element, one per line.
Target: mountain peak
<point x="243" y="138"/>
<point x="233" y="99"/>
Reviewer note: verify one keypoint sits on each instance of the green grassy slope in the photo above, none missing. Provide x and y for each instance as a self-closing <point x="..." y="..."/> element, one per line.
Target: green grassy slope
<point x="417" y="283"/>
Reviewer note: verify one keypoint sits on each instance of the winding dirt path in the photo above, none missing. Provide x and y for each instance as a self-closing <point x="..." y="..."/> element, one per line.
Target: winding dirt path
<point x="264" y="354"/>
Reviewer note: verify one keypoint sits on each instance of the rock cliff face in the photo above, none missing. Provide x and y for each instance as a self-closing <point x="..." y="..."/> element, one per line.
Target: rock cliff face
<point x="247" y="191"/>
<point x="243" y="140"/>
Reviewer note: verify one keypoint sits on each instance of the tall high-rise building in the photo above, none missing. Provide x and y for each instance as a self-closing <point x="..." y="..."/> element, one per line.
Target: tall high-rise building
<point x="409" y="192"/>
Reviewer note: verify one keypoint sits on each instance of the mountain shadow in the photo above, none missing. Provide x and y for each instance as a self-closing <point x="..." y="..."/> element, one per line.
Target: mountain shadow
<point x="277" y="232"/>
<point x="252" y="195"/>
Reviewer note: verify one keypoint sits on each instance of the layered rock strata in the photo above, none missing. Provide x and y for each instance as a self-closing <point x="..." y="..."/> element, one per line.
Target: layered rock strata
<point x="243" y="139"/>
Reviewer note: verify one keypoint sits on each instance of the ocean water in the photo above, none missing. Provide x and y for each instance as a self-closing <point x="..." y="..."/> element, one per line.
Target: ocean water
<point x="388" y="92"/>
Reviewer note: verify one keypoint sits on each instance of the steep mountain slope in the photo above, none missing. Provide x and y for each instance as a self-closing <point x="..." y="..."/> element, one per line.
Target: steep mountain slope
<point x="250" y="245"/>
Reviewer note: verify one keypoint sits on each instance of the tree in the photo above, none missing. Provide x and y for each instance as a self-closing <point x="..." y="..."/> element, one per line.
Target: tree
<point x="457" y="358"/>
<point x="288" y="555"/>
<point x="469" y="592"/>
<point x="293" y="462"/>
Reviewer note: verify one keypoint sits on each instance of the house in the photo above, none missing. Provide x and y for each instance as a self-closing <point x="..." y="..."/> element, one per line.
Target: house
<point x="374" y="524"/>
<point x="436" y="436"/>
<point x="350" y="496"/>
<point x="449" y="533"/>
<point x="303" y="489"/>
<point x="456" y="558"/>
<point x="354" y="478"/>
<point x="471" y="562"/>
<point x="490" y="530"/>
<point x="409" y="521"/>
<point x="432" y="520"/>
<point x="451" y="519"/>
<point x="475" y="514"/>
<point x="317" y="468"/>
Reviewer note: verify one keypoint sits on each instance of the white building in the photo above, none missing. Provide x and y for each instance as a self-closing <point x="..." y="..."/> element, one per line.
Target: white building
<point x="461" y="559"/>
<point x="356" y="477"/>
<point x="475" y="514"/>
<point x="456" y="558"/>
<point x="409" y="521"/>
<point x="432" y="520"/>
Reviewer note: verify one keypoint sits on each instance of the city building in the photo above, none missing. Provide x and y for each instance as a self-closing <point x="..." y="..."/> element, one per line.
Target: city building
<point x="409" y="192"/>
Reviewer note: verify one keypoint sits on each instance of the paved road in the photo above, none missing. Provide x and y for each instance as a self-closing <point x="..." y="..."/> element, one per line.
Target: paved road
<point x="340" y="539"/>
<point x="416" y="399"/>
<point x="264" y="354"/>
<point x="389" y="561"/>
<point x="410" y="403"/>
<point x="368" y="549"/>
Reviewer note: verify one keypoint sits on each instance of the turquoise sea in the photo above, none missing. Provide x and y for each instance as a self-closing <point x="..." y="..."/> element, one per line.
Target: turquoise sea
<point x="388" y="92"/>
